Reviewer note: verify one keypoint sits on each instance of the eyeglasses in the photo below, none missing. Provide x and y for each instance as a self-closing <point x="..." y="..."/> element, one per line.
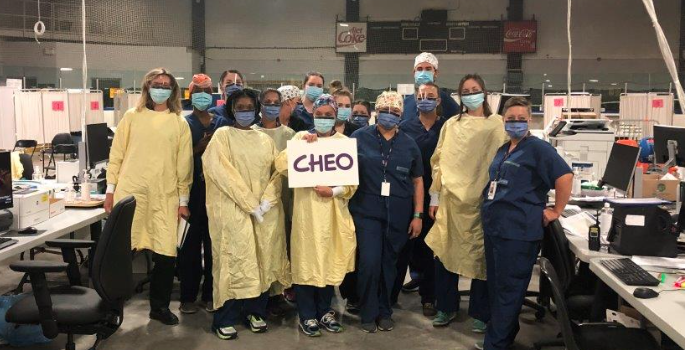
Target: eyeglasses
<point x="163" y="87"/>
<point x="426" y="98"/>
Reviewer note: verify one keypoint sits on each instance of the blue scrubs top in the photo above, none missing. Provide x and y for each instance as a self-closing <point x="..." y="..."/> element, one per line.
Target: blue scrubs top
<point x="197" y="132"/>
<point x="450" y="107"/>
<point x="305" y="116"/>
<point x="404" y="164"/>
<point x="524" y="178"/>
<point x="427" y="140"/>
<point x="220" y="111"/>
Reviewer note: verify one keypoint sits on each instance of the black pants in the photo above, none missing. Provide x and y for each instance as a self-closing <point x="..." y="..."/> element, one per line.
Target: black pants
<point x="161" y="281"/>
<point x="313" y="302"/>
<point x="190" y="261"/>
<point x="419" y="256"/>
<point x="234" y="310"/>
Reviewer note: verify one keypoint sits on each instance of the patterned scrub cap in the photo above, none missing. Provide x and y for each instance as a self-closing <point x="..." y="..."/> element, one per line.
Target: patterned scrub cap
<point x="289" y="92"/>
<point x="390" y="99"/>
<point x="426" y="57"/>
<point x="325" y="100"/>
<point x="202" y="81"/>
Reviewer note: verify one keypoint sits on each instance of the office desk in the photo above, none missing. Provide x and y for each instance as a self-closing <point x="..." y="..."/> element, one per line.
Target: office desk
<point x="666" y="312"/>
<point x="579" y="247"/>
<point x="69" y="221"/>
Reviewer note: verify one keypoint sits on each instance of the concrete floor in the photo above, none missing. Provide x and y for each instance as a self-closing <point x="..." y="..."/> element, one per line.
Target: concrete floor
<point x="412" y="330"/>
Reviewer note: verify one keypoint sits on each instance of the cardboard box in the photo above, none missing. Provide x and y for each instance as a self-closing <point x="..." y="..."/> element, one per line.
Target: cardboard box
<point x="652" y="186"/>
<point x="57" y="206"/>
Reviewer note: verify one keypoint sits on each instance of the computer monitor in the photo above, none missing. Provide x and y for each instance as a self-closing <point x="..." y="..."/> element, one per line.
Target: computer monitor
<point x="664" y="134"/>
<point x="621" y="166"/>
<point x="97" y="143"/>
<point x="5" y="180"/>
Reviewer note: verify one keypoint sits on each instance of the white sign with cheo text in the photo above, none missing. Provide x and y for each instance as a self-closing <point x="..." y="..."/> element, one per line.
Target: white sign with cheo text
<point x="350" y="37"/>
<point x="325" y="162"/>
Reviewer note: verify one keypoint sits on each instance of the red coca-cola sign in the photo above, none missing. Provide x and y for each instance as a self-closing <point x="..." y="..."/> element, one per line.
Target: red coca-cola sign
<point x="520" y="36"/>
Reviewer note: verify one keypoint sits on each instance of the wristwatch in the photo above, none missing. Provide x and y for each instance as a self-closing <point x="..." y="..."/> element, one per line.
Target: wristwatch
<point x="418" y="216"/>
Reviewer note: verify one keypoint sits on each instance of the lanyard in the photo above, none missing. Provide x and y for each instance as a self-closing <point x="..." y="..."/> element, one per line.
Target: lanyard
<point x="385" y="159"/>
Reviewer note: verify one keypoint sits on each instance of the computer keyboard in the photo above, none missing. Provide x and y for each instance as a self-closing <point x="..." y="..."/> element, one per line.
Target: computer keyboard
<point x="568" y="212"/>
<point x="6" y="242"/>
<point x="629" y="272"/>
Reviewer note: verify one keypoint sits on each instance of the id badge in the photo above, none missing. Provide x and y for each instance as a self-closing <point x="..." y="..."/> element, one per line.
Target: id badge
<point x="385" y="189"/>
<point x="492" y="190"/>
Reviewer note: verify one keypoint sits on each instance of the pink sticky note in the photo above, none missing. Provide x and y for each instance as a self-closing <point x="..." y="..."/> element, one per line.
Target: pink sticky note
<point x="58" y="106"/>
<point x="658" y="103"/>
<point x="558" y="102"/>
<point x="220" y="103"/>
<point x="94" y="105"/>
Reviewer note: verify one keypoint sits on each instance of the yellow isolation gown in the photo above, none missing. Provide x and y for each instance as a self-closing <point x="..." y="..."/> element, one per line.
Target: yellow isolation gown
<point x="281" y="135"/>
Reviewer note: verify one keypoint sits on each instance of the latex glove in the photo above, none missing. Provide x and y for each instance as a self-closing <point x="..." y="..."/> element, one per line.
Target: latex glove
<point x="265" y="206"/>
<point x="258" y="214"/>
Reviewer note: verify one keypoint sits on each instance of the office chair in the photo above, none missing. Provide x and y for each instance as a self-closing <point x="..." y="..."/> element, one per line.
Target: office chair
<point x="24" y="144"/>
<point x="74" y="309"/>
<point x="592" y="336"/>
<point x="27" y="162"/>
<point x="61" y="144"/>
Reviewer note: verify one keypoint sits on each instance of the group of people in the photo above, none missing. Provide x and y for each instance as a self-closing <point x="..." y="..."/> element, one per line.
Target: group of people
<point x="448" y="189"/>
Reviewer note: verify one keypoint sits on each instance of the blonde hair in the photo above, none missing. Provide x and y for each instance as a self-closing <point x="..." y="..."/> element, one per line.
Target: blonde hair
<point x="145" y="101"/>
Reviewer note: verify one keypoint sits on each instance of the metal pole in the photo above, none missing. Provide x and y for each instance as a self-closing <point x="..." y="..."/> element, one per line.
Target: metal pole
<point x="504" y="88"/>
<point x="625" y="89"/>
<point x="583" y="87"/>
<point x="354" y="89"/>
<point x="97" y="84"/>
<point x="23" y="83"/>
<point x="670" y="86"/>
<point x="60" y="83"/>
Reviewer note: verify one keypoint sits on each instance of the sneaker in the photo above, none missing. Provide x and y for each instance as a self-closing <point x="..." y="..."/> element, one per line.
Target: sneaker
<point x="386" y="324"/>
<point x="478" y="326"/>
<point x="226" y="333"/>
<point x="411" y="286"/>
<point x="165" y="316"/>
<point x="207" y="306"/>
<point x="352" y="308"/>
<point x="480" y="345"/>
<point x="369" y="327"/>
<point x="443" y="319"/>
<point x="330" y="324"/>
<point x="429" y="310"/>
<point x="310" y="328"/>
<point x="289" y="295"/>
<point x="256" y="324"/>
<point x="277" y="306"/>
<point x="188" y="308"/>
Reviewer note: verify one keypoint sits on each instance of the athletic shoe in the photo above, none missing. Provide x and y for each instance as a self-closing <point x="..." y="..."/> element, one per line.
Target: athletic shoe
<point x="165" y="316"/>
<point x="208" y="306"/>
<point x="478" y="326"/>
<point x="256" y="324"/>
<point x="330" y="324"/>
<point x="310" y="328"/>
<point x="352" y="308"/>
<point x="411" y="286"/>
<point x="188" y="308"/>
<point x="289" y="295"/>
<point x="226" y="333"/>
<point x="386" y="324"/>
<point x="429" y="310"/>
<point x="443" y="319"/>
<point x="480" y="345"/>
<point x="369" y="327"/>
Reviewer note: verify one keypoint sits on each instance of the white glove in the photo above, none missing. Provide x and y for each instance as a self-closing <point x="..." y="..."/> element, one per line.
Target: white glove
<point x="435" y="199"/>
<point x="265" y="206"/>
<point x="258" y="214"/>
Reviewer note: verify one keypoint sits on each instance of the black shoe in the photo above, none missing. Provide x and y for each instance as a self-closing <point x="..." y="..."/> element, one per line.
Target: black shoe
<point x="165" y="316"/>
<point x="411" y="286"/>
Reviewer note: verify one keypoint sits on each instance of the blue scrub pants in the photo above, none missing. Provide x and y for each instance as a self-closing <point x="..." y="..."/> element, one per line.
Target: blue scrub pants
<point x="191" y="258"/>
<point x="509" y="269"/>
<point x="313" y="302"/>
<point x="236" y="309"/>
<point x="418" y="256"/>
<point x="381" y="226"/>
<point x="447" y="294"/>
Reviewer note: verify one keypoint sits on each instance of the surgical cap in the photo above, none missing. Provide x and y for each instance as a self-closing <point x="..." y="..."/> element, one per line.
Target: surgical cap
<point x="325" y="100"/>
<point x="289" y="92"/>
<point x="426" y="57"/>
<point x="389" y="99"/>
<point x="202" y="81"/>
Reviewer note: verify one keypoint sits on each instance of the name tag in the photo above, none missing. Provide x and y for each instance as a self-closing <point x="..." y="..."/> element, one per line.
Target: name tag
<point x="492" y="190"/>
<point x="385" y="189"/>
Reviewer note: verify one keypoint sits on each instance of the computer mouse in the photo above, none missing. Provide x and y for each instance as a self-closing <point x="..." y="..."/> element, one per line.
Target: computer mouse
<point x="28" y="231"/>
<point x="645" y="293"/>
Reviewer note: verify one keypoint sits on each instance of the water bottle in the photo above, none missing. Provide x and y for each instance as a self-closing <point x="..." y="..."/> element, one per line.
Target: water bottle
<point x="605" y="217"/>
<point x="576" y="189"/>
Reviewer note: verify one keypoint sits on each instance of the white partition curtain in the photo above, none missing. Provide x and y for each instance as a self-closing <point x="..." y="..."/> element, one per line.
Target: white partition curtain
<point x="660" y="108"/>
<point x="7" y="129"/>
<point x="123" y="101"/>
<point x="633" y="106"/>
<point x="28" y="112"/>
<point x="494" y="99"/>
<point x="652" y="108"/>
<point x="55" y="121"/>
<point x="552" y="108"/>
<point x="94" y="111"/>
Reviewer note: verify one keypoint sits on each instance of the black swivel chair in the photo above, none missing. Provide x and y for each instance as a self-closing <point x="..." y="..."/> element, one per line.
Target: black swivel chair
<point x="61" y="144"/>
<point x="80" y="310"/>
<point x="593" y="336"/>
<point x="25" y="144"/>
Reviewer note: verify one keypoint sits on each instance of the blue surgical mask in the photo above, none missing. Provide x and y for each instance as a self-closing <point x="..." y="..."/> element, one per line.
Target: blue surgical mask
<point x="244" y="118"/>
<point x="159" y="96"/>
<point x="516" y="129"/>
<point x="423" y="76"/>
<point x="427" y="105"/>
<point x="313" y="92"/>
<point x="344" y="113"/>
<point x="473" y="101"/>
<point x="271" y="112"/>
<point x="360" y="120"/>
<point x="230" y="89"/>
<point x="387" y="120"/>
<point x="201" y="100"/>
<point x="323" y="126"/>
